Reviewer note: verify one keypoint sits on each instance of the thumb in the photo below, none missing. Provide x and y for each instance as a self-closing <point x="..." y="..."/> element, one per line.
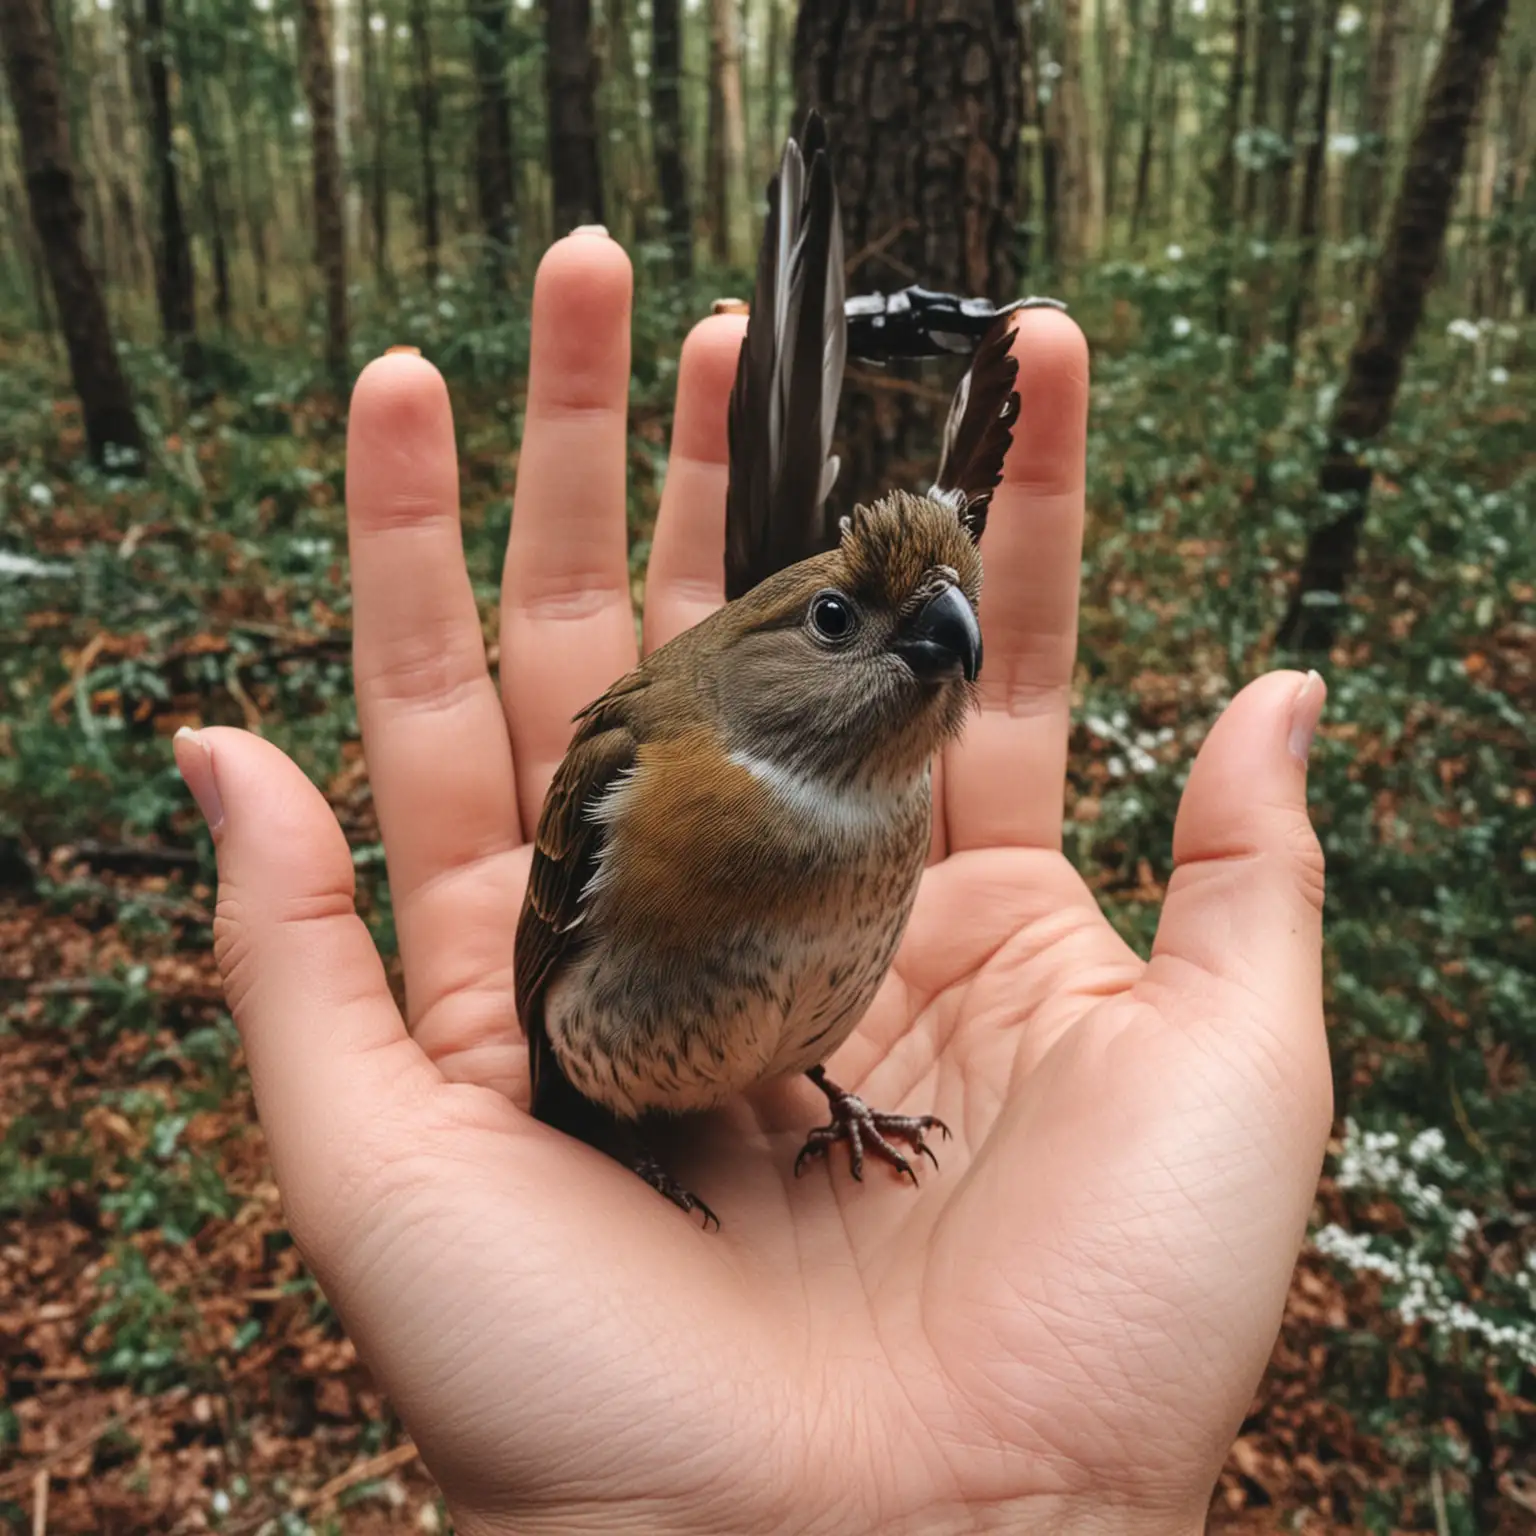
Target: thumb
<point x="1245" y="904"/>
<point x="327" y="1049"/>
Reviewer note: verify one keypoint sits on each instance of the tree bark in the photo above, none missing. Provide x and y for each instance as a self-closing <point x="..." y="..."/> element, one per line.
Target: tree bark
<point x="667" y="132"/>
<point x="375" y="94"/>
<point x="494" y="187"/>
<point x="1224" y="190"/>
<point x="1066" y="116"/>
<point x="923" y="102"/>
<point x="1301" y="25"/>
<point x="1414" y="244"/>
<point x="30" y="46"/>
<point x="174" y="279"/>
<point x="727" y="136"/>
<point x="1391" y="23"/>
<point x="1162" y="36"/>
<point x="212" y="173"/>
<point x="576" y="183"/>
<point x="325" y="159"/>
<point x="1309" y="223"/>
<point x="425" y="92"/>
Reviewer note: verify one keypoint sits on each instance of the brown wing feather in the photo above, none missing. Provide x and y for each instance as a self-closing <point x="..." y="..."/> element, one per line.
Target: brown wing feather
<point x="979" y="429"/>
<point x="565" y="853"/>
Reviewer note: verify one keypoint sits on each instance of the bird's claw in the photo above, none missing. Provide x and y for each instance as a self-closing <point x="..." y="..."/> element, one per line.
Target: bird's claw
<point x="664" y="1184"/>
<point x="856" y="1123"/>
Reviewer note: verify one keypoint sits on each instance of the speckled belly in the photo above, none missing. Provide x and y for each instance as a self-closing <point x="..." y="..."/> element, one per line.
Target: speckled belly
<point x="640" y="1027"/>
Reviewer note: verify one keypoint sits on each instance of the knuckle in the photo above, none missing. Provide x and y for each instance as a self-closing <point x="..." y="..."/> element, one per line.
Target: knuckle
<point x="1308" y="865"/>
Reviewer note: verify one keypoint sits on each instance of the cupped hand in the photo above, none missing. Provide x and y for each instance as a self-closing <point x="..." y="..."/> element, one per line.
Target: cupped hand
<point x="1061" y="1329"/>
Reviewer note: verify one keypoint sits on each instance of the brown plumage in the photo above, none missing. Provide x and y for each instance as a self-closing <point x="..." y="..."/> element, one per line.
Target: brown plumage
<point x="730" y="849"/>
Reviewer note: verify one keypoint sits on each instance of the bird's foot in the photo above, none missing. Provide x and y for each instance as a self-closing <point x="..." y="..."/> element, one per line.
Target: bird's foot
<point x="664" y="1184"/>
<point x="856" y="1123"/>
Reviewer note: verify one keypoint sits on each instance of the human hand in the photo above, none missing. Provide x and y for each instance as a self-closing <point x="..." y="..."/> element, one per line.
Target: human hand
<point x="1062" y="1328"/>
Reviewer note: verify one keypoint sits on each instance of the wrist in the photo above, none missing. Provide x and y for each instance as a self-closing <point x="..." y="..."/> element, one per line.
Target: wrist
<point x="1033" y="1516"/>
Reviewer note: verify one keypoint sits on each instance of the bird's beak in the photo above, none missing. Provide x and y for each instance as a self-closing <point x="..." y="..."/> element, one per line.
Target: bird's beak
<point x="940" y="637"/>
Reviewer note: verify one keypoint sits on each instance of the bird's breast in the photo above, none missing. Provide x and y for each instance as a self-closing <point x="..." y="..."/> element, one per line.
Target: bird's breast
<point x="738" y="924"/>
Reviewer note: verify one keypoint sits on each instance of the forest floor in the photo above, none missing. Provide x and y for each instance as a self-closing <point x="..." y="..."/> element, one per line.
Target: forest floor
<point x="168" y="1363"/>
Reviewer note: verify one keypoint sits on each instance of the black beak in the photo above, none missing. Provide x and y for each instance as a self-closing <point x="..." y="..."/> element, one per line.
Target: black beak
<point x="940" y="636"/>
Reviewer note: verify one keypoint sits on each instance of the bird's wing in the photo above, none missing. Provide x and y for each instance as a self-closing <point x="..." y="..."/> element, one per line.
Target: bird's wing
<point x="566" y="850"/>
<point x="789" y="376"/>
<point x="979" y="429"/>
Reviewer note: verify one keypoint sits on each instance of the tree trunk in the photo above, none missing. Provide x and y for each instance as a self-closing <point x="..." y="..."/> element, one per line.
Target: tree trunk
<point x="667" y="132"/>
<point x="1257" y="173"/>
<point x="330" y="229"/>
<point x="1077" y="192"/>
<point x="1290" y="127"/>
<point x="1382" y="86"/>
<point x="32" y="67"/>
<point x="727" y="137"/>
<point x="1414" y="244"/>
<point x="1162" y="36"/>
<point x="174" y="278"/>
<point x="1107" y="34"/>
<point x="924" y="122"/>
<point x="375" y="94"/>
<point x="495" y="192"/>
<point x="212" y="174"/>
<point x="1309" y="224"/>
<point x="773" y="105"/>
<point x="576" y="183"/>
<point x="425" y="84"/>
<point x="1224" y="198"/>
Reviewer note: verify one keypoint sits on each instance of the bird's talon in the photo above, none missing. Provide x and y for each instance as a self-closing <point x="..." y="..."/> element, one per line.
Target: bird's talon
<point x="856" y="1123"/>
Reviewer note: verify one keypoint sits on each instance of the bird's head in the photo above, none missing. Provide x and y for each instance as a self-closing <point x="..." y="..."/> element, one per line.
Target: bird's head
<point x="858" y="664"/>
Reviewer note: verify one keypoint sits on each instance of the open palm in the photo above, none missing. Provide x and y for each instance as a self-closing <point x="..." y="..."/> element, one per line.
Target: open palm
<point x="1061" y="1328"/>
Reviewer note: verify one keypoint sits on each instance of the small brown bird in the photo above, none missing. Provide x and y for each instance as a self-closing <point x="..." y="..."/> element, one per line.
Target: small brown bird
<point x="729" y="852"/>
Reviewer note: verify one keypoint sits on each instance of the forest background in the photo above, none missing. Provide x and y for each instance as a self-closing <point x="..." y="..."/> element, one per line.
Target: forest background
<point x="1301" y="236"/>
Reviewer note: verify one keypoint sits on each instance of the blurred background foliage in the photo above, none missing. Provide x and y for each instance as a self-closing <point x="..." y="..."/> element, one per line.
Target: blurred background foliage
<point x="1261" y="212"/>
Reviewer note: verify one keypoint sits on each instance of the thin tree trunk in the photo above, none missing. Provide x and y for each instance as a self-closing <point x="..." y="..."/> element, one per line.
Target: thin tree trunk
<point x="376" y="94"/>
<point x="667" y="132"/>
<point x="1296" y="84"/>
<point x="1409" y="259"/>
<point x="30" y="45"/>
<point x="1224" y="200"/>
<point x="425" y="92"/>
<point x="174" y="279"/>
<point x="1107" y="34"/>
<point x="773" y="74"/>
<point x="1309" y="224"/>
<point x="1162" y="36"/>
<point x="212" y="173"/>
<point x="576" y="183"/>
<point x="493" y="139"/>
<point x="1391" y="23"/>
<point x="1067" y="112"/>
<point x="325" y="165"/>
<point x="1257" y="173"/>
<point x="727" y="134"/>
<point x="924" y="124"/>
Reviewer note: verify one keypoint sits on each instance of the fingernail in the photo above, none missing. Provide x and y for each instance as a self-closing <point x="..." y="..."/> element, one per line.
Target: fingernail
<point x="729" y="307"/>
<point x="1306" y="711"/>
<point x="194" y="761"/>
<point x="411" y="351"/>
<point x="591" y="229"/>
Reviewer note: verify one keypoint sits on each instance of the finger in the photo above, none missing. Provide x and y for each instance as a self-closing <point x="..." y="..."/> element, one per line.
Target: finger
<point x="567" y="627"/>
<point x="330" y="1061"/>
<point x="686" y="578"/>
<point x="434" y="734"/>
<point x="1006" y="780"/>
<point x="1244" y="910"/>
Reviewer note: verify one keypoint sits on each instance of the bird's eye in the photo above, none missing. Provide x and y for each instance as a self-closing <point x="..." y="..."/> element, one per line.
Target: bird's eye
<point x="832" y="617"/>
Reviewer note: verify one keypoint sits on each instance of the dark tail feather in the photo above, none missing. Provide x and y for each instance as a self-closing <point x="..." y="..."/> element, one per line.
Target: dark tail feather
<point x="979" y="429"/>
<point x="790" y="375"/>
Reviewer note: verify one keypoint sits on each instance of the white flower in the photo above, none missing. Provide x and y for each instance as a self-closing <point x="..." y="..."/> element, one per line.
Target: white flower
<point x="1350" y="21"/>
<point x="1197" y="7"/>
<point x="1463" y="330"/>
<point x="1498" y="375"/>
<point x="1174" y="253"/>
<point x="1344" y="143"/>
<point x="1181" y="326"/>
<point x="39" y="494"/>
